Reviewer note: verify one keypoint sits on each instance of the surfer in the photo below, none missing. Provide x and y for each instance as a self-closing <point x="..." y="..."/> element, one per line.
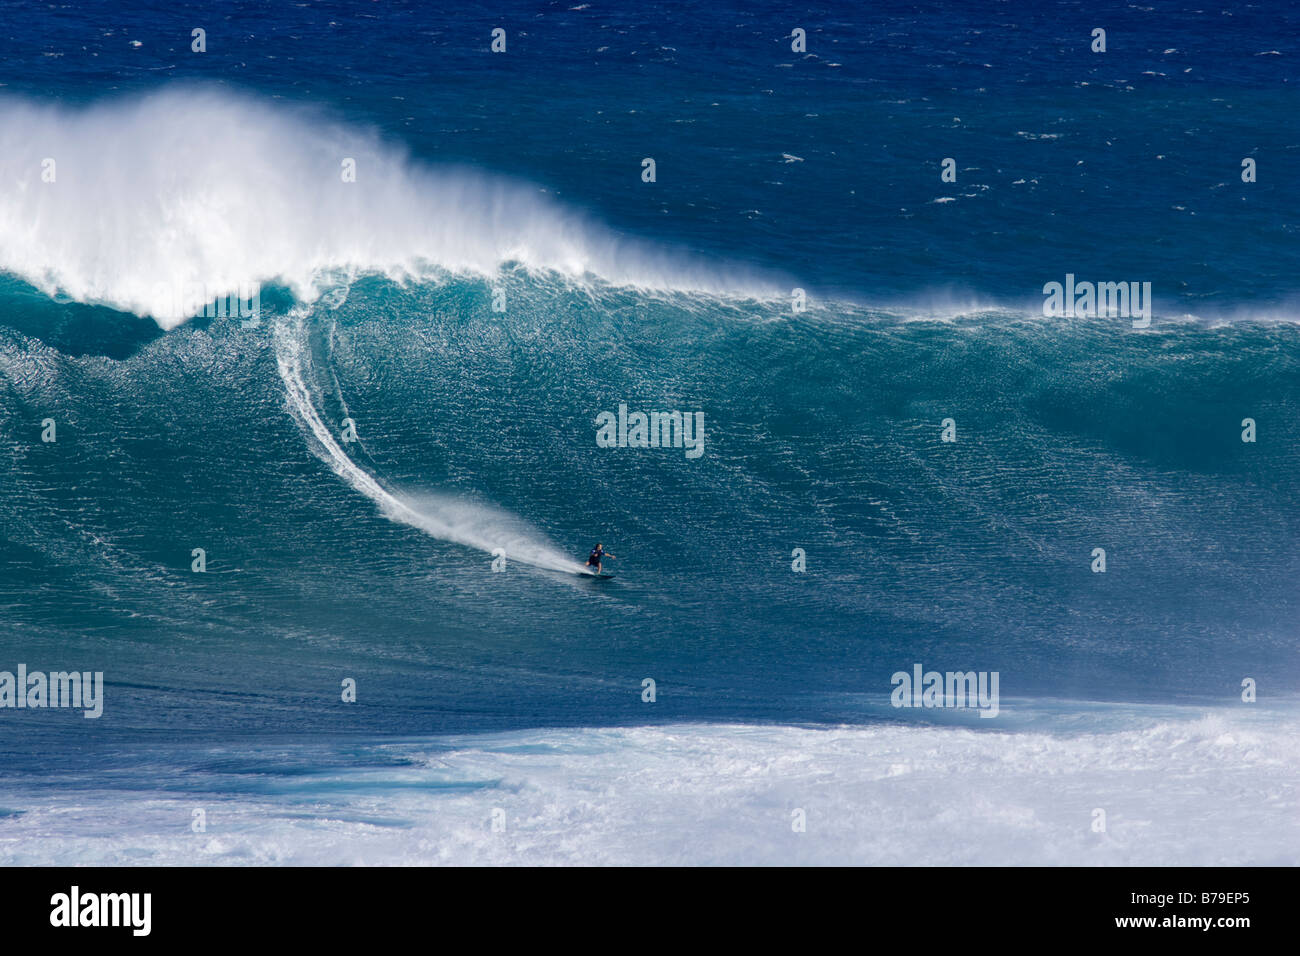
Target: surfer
<point x="598" y="554"/>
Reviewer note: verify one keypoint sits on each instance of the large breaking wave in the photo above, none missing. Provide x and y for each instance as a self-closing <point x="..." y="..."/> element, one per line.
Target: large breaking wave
<point x="477" y="430"/>
<point x="125" y="201"/>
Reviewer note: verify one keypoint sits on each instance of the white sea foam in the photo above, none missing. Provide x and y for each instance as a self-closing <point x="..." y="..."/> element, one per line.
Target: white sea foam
<point x="1216" y="788"/>
<point x="200" y="187"/>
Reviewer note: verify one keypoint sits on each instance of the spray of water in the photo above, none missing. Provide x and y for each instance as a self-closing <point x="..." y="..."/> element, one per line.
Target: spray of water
<point x="135" y="202"/>
<point x="446" y="518"/>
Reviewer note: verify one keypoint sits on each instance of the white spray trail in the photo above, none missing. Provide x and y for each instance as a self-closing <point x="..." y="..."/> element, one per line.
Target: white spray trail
<point x="440" y="516"/>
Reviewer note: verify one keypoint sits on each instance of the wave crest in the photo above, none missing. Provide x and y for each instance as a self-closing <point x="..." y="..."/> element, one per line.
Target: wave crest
<point x="134" y="203"/>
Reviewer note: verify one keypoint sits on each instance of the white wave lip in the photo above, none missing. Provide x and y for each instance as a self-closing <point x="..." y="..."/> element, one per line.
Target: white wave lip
<point x="1203" y="789"/>
<point x="200" y="187"/>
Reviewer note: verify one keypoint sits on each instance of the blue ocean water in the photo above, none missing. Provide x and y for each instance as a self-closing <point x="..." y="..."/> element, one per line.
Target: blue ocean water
<point x="515" y="179"/>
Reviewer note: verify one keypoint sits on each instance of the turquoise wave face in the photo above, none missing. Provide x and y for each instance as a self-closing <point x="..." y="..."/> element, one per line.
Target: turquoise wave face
<point x="822" y="445"/>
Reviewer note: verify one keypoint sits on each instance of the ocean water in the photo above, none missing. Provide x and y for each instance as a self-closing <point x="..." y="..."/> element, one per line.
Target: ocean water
<point x="497" y="276"/>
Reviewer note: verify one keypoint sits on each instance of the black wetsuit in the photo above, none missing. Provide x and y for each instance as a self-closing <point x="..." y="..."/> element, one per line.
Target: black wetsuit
<point x="596" y="556"/>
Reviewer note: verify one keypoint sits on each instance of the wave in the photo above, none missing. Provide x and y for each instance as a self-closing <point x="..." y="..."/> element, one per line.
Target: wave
<point x="444" y="517"/>
<point x="822" y="435"/>
<point x="136" y="203"/>
<point x="127" y="203"/>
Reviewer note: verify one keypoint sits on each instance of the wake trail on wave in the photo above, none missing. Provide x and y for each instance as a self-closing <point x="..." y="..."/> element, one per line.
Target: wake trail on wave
<point x="445" y="517"/>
